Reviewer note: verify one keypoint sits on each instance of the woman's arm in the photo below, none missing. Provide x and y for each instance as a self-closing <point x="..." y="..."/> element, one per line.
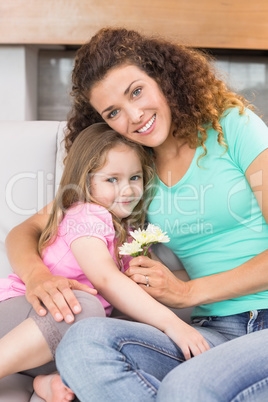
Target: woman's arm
<point x="257" y="177"/>
<point x="248" y="278"/>
<point x="41" y="286"/>
<point x="95" y="260"/>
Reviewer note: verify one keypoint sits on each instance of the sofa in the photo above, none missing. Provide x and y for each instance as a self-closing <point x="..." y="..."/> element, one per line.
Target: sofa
<point x="31" y="157"/>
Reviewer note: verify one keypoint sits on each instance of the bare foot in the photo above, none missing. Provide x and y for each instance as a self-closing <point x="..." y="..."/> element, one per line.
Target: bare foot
<point x="51" y="388"/>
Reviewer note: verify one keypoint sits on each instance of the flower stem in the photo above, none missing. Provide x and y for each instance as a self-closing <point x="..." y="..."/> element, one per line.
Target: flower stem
<point x="146" y="249"/>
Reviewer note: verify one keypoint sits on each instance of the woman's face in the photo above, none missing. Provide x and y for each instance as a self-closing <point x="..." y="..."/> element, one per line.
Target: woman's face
<point x="133" y="105"/>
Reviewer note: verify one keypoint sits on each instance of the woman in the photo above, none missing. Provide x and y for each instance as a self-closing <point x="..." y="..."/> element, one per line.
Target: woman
<point x="210" y="154"/>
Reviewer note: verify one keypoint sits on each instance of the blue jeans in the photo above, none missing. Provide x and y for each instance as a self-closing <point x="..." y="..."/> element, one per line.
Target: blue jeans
<point x="106" y="359"/>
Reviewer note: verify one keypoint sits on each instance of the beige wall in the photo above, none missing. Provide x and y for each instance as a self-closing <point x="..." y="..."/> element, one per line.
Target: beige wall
<point x="237" y="24"/>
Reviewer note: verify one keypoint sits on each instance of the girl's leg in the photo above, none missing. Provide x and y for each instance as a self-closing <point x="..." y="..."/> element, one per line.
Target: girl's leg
<point x="17" y="387"/>
<point x="50" y="387"/>
<point x="19" y="351"/>
<point x="53" y="331"/>
<point x="32" y="342"/>
<point x="234" y="371"/>
<point x="44" y="331"/>
<point x="110" y="359"/>
<point x="24" y="347"/>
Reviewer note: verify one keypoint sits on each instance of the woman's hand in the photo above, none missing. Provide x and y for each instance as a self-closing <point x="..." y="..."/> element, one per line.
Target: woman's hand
<point x="55" y="293"/>
<point x="164" y="286"/>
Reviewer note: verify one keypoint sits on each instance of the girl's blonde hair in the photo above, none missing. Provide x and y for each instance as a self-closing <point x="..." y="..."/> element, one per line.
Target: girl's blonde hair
<point x="87" y="155"/>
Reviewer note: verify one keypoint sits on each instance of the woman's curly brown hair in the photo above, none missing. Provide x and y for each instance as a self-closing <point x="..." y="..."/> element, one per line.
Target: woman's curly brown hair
<point x="197" y="98"/>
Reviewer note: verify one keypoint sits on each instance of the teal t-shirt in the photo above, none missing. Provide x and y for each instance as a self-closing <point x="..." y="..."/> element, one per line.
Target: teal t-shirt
<point x="211" y="215"/>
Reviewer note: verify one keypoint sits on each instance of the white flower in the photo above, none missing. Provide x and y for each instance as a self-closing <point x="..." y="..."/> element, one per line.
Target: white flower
<point x="143" y="239"/>
<point x="141" y="236"/>
<point x="130" y="248"/>
<point x="159" y="236"/>
<point x="153" y="234"/>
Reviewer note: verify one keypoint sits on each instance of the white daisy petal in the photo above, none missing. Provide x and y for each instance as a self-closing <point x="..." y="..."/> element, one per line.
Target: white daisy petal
<point x="130" y="248"/>
<point x="142" y="238"/>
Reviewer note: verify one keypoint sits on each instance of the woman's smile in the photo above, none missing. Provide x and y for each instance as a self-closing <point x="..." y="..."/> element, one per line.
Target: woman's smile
<point x="148" y="127"/>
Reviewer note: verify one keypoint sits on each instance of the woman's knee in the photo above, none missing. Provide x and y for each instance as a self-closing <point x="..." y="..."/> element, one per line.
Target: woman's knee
<point x="90" y="338"/>
<point x="79" y="339"/>
<point x="90" y="331"/>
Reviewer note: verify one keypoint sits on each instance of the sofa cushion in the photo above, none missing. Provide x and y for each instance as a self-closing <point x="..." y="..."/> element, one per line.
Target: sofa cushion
<point x="27" y="163"/>
<point x="60" y="153"/>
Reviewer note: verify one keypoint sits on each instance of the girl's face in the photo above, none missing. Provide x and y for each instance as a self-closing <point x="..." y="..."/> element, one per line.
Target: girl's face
<point x="133" y="105"/>
<point x="118" y="185"/>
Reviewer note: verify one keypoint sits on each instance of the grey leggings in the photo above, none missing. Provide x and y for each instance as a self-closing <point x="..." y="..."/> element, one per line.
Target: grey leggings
<point x="14" y="311"/>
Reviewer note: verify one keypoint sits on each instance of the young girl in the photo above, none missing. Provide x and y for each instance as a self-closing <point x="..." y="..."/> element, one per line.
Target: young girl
<point x="101" y="195"/>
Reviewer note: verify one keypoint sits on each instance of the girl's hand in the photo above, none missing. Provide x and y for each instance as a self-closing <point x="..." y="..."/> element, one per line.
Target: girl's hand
<point x="164" y="286"/>
<point x="189" y="340"/>
<point x="55" y="293"/>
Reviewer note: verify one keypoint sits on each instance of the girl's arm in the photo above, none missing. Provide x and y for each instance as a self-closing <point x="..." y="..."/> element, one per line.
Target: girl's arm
<point x="41" y="286"/>
<point x="95" y="260"/>
<point x="248" y="278"/>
